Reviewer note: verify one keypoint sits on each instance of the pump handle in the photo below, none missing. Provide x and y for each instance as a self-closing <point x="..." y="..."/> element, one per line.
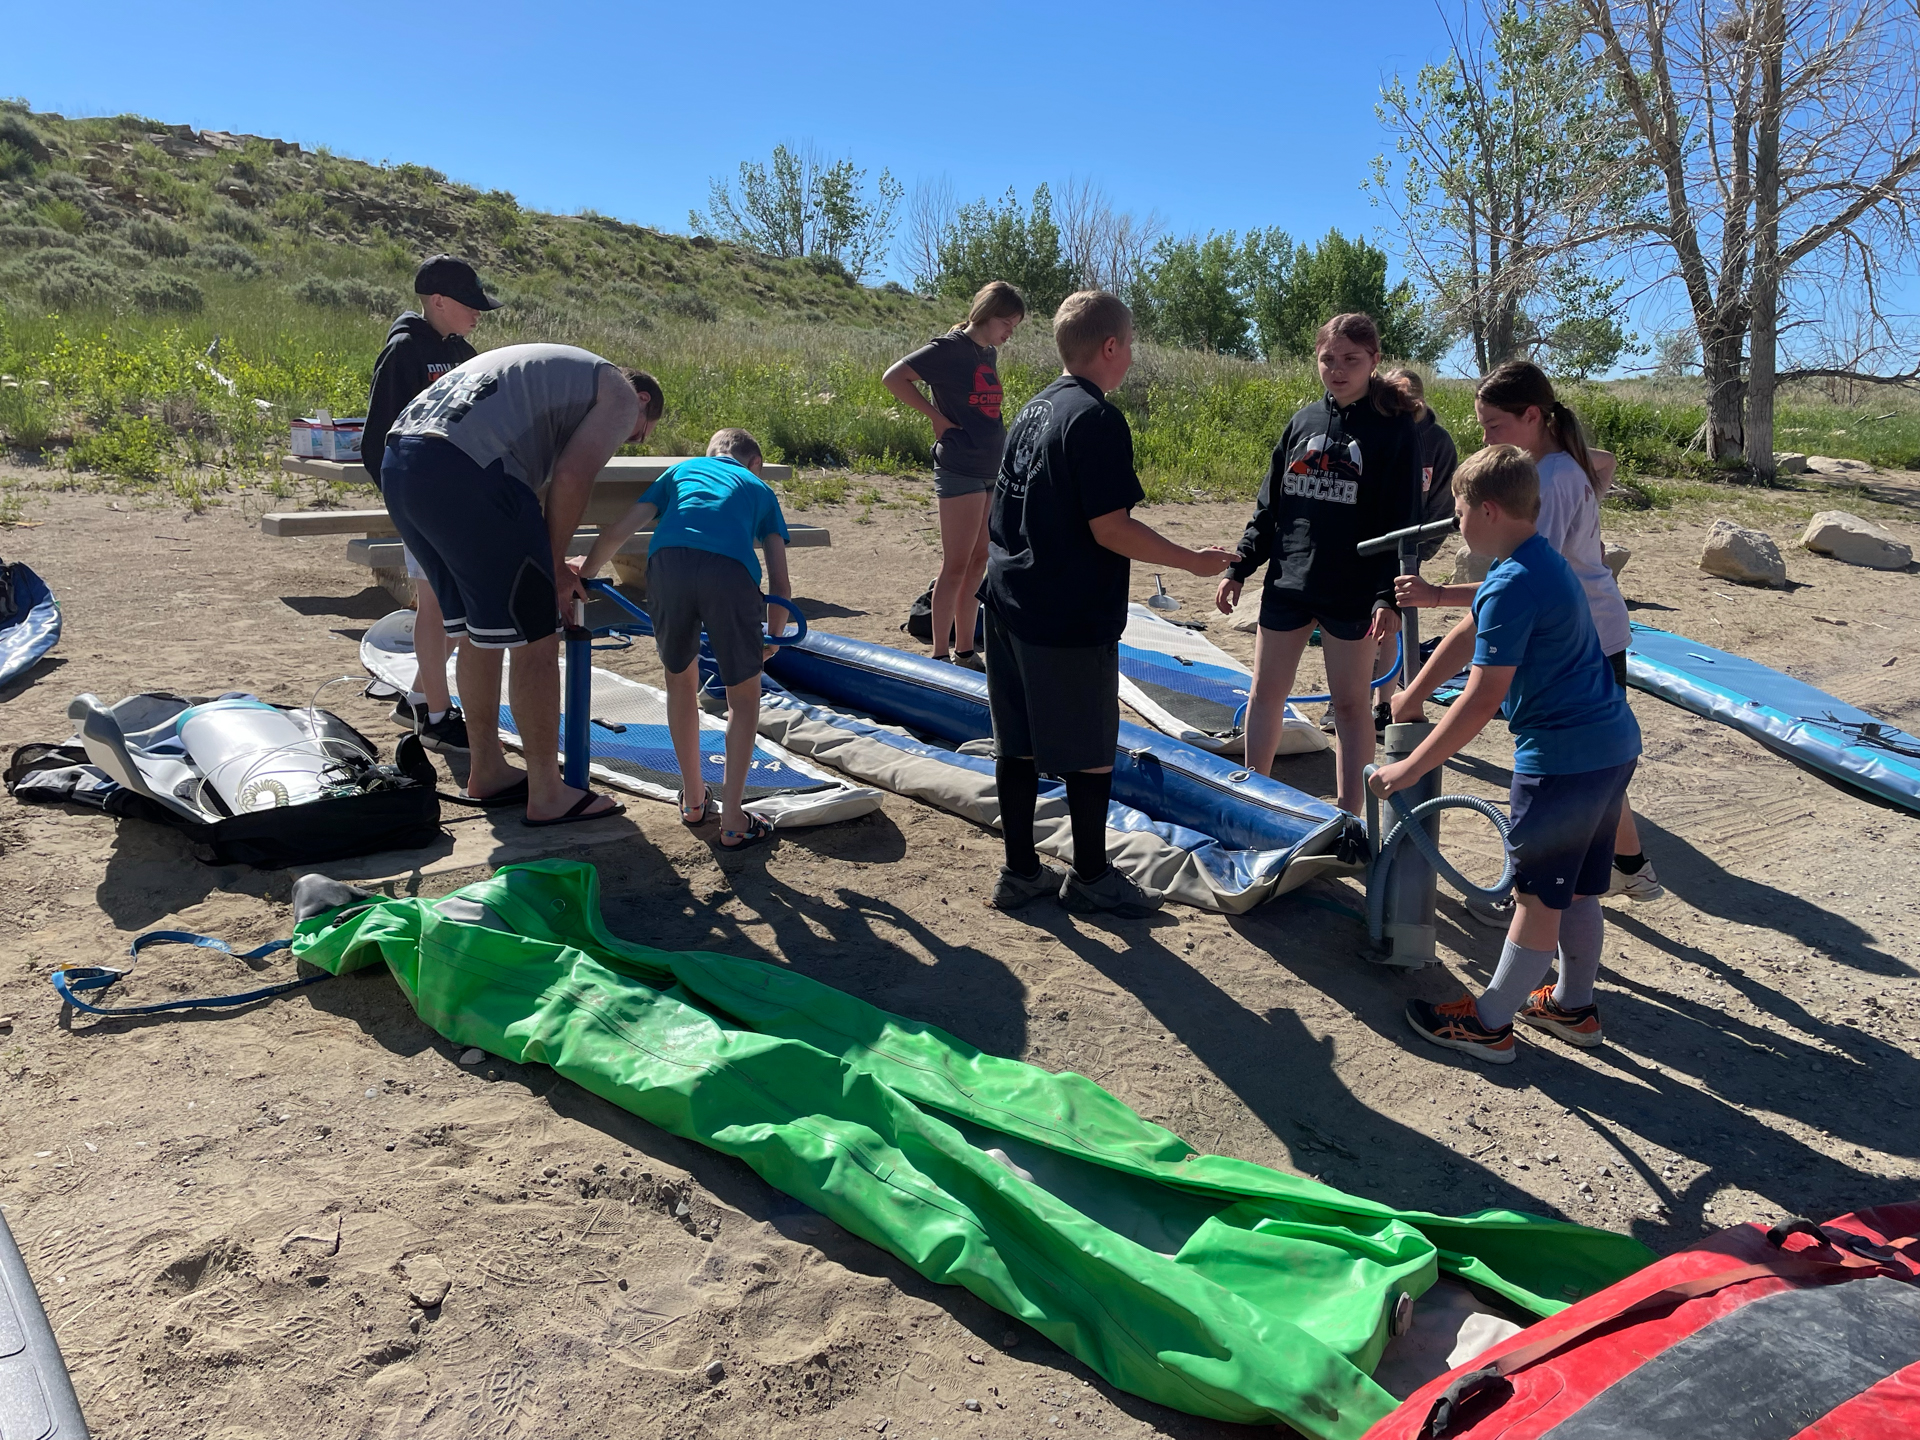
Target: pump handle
<point x="1392" y="538"/>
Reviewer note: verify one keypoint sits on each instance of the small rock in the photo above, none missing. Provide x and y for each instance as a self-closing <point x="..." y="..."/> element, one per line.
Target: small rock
<point x="1469" y="568"/>
<point x="1615" y="558"/>
<point x="977" y="1359"/>
<point x="1747" y="556"/>
<point x="1246" y="615"/>
<point x="6" y="1024"/>
<point x="1857" y="542"/>
<point x="427" y="1280"/>
<point x="550" y="1171"/>
<point x="1827" y="465"/>
<point x="971" y="1404"/>
<point x="472" y="1057"/>
<point x="1789" y="462"/>
<point x="716" y="1372"/>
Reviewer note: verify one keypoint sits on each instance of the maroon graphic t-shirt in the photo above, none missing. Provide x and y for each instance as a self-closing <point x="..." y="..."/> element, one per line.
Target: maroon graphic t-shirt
<point x="966" y="387"/>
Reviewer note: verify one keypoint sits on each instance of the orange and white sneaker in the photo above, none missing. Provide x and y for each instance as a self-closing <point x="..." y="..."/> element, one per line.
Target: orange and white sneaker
<point x="1457" y="1026"/>
<point x="1579" y="1026"/>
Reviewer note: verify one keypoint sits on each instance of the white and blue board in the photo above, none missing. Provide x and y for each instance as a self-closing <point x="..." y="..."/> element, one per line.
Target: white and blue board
<point x="1185" y="686"/>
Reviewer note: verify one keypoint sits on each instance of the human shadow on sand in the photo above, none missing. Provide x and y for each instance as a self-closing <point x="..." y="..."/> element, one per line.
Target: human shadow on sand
<point x="372" y="603"/>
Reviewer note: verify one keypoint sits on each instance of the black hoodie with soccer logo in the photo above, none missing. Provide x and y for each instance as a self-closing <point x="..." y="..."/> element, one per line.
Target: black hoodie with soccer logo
<point x="1340" y="474"/>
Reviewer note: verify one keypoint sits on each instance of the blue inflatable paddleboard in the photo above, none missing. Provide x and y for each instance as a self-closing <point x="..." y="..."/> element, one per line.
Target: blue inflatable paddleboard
<point x="33" y="627"/>
<point x="1788" y="716"/>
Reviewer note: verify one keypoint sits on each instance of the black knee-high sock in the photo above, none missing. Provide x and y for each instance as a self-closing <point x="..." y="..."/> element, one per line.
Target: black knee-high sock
<point x="1087" y="796"/>
<point x="1019" y="785"/>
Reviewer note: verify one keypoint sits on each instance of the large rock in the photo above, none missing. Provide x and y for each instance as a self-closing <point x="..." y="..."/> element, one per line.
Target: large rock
<point x="1856" y="541"/>
<point x="1748" y="556"/>
<point x="1789" y="462"/>
<point x="1616" y="558"/>
<point x="1469" y="568"/>
<point x="1827" y="465"/>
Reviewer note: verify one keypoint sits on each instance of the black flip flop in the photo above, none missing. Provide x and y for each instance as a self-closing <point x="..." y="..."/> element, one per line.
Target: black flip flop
<point x="576" y="815"/>
<point x="759" y="830"/>
<point x="514" y="794"/>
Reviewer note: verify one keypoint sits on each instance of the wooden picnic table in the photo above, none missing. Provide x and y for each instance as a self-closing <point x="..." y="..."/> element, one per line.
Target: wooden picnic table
<point x="375" y="542"/>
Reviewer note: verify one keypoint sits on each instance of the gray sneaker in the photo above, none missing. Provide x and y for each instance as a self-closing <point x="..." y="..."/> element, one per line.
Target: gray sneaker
<point x="1011" y="891"/>
<point x="1112" y="894"/>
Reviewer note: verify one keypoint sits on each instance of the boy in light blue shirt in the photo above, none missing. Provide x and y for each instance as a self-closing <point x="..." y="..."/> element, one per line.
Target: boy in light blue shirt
<point x="703" y="574"/>
<point x="1537" y="660"/>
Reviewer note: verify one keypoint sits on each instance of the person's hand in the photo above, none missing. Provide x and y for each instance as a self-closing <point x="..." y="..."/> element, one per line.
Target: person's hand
<point x="567" y="587"/>
<point x="1389" y="778"/>
<point x="1210" y="560"/>
<point x="1406" y="709"/>
<point x="1227" y="596"/>
<point x="1385" y="622"/>
<point x="1414" y="591"/>
<point x="578" y="564"/>
<point x="941" y="424"/>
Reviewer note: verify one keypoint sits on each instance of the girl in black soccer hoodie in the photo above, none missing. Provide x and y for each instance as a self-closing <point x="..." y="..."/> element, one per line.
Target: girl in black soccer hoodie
<point x="1347" y="468"/>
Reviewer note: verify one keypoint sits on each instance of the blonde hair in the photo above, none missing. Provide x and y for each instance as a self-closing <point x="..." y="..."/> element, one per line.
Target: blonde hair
<point x="734" y="443"/>
<point x="993" y="301"/>
<point x="1358" y="327"/>
<point x="1502" y="475"/>
<point x="1085" y="321"/>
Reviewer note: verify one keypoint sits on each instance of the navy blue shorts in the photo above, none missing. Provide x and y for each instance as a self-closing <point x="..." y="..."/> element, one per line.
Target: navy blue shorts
<point x="1562" y="836"/>
<point x="1280" y="612"/>
<point x="479" y="537"/>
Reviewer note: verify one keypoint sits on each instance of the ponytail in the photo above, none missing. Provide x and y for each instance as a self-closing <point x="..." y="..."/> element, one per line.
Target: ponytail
<point x="1520" y="385"/>
<point x="1390" y="398"/>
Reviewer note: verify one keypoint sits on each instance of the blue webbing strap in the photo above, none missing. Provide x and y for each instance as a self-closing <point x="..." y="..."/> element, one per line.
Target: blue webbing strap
<point x="100" y="977"/>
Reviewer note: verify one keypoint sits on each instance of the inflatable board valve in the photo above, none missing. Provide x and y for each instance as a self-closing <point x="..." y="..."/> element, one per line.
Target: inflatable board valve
<point x="254" y="756"/>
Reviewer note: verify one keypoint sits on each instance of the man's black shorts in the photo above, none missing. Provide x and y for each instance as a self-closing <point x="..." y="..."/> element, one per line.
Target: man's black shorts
<point x="1058" y="704"/>
<point x="479" y="537"/>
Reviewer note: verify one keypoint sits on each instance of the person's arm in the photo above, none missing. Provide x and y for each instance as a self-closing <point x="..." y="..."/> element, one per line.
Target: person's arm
<point x="903" y="383"/>
<point x="1485" y="693"/>
<point x="1416" y="593"/>
<point x="395" y="382"/>
<point x="606" y="427"/>
<point x="1448" y="659"/>
<point x="1605" y="467"/>
<point x="1119" y="532"/>
<point x="778" y="583"/>
<point x="638" y="517"/>
<point x="1256" y="542"/>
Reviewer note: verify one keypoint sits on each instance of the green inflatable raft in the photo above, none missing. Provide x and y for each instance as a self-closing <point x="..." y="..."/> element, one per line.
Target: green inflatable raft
<point x="1210" y="1284"/>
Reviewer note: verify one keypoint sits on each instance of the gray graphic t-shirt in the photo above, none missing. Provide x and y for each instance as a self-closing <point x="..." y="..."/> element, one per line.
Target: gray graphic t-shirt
<point x="518" y="405"/>
<point x="966" y="387"/>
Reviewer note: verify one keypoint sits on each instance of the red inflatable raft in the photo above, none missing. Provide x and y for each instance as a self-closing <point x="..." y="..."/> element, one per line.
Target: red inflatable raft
<point x="1799" y="1331"/>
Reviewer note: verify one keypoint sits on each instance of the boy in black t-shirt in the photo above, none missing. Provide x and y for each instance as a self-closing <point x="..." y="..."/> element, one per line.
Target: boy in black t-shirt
<point x="1060" y="536"/>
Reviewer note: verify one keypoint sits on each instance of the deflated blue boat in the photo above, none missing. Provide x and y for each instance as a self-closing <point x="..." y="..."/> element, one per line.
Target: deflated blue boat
<point x="29" y="620"/>
<point x="1788" y="716"/>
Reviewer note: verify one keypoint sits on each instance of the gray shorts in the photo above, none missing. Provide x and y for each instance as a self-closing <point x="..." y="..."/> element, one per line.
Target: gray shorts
<point x="949" y="486"/>
<point x="1059" y="704"/>
<point x="693" y="590"/>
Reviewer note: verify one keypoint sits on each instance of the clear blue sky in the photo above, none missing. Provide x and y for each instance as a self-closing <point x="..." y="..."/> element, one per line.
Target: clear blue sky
<point x="1220" y="115"/>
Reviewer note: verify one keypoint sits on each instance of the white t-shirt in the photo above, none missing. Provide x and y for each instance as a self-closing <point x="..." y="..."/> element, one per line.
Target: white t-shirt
<point x="1570" y="521"/>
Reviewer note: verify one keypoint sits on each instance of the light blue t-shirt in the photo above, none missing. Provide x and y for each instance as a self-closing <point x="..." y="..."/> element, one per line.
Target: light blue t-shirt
<point x="1567" y="712"/>
<point x="717" y="505"/>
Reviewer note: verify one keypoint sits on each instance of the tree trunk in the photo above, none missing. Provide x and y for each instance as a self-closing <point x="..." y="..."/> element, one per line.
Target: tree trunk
<point x="1720" y="356"/>
<point x="1771" y="33"/>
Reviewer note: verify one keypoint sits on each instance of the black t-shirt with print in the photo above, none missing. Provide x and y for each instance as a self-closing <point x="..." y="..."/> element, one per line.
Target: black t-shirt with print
<point x="966" y="389"/>
<point x="1438" y="461"/>
<point x="1069" y="459"/>
<point x="1340" y="474"/>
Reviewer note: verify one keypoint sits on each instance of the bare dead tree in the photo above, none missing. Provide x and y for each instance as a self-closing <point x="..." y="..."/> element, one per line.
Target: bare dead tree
<point x="1107" y="248"/>
<point x="930" y="217"/>
<point x="1787" y="134"/>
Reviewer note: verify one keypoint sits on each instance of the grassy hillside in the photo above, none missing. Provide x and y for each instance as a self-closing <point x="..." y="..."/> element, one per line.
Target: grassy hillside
<point x="169" y="299"/>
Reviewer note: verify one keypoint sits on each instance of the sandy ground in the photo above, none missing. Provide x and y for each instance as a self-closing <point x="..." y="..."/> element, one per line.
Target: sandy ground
<point x="225" y="1213"/>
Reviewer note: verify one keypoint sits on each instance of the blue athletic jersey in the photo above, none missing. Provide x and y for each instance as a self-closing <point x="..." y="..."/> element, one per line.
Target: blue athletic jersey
<point x="1567" y="712"/>
<point x="714" y="504"/>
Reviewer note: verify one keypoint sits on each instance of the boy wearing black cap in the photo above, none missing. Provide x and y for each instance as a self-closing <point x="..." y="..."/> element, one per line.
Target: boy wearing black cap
<point x="421" y="347"/>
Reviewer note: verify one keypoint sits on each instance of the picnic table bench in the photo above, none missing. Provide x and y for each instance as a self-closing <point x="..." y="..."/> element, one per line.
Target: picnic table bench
<point x="376" y="541"/>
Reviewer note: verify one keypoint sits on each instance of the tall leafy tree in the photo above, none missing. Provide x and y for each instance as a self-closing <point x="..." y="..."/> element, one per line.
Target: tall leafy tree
<point x="1293" y="291"/>
<point x="1192" y="293"/>
<point x="802" y="205"/>
<point x="1019" y="244"/>
<point x="1517" y="167"/>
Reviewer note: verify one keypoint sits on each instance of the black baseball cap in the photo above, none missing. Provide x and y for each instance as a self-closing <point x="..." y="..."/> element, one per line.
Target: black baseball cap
<point x="445" y="275"/>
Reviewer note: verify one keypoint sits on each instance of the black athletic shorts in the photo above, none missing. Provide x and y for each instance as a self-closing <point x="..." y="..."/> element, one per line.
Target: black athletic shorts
<point x="1281" y="612"/>
<point x="479" y="537"/>
<point x="1562" y="836"/>
<point x="692" y="590"/>
<point x="1056" y="704"/>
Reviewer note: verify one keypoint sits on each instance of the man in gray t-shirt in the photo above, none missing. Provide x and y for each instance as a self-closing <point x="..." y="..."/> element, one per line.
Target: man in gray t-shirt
<point x="468" y="464"/>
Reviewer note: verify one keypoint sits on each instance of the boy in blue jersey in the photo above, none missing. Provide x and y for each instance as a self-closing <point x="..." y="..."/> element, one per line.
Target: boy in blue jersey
<point x="702" y="573"/>
<point x="1537" y="661"/>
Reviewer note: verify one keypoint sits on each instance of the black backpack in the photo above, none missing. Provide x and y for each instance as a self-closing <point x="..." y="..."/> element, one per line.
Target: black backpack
<point x="920" y="621"/>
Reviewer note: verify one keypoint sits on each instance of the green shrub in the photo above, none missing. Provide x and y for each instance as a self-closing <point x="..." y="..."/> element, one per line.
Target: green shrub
<point x="133" y="447"/>
<point x="157" y="237"/>
<point x="64" y="279"/>
<point x="26" y="422"/>
<point x="160" y="292"/>
<point x="225" y="256"/>
<point x="348" y="294"/>
<point x="15" y="163"/>
<point x="62" y="215"/>
<point x="226" y="218"/>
